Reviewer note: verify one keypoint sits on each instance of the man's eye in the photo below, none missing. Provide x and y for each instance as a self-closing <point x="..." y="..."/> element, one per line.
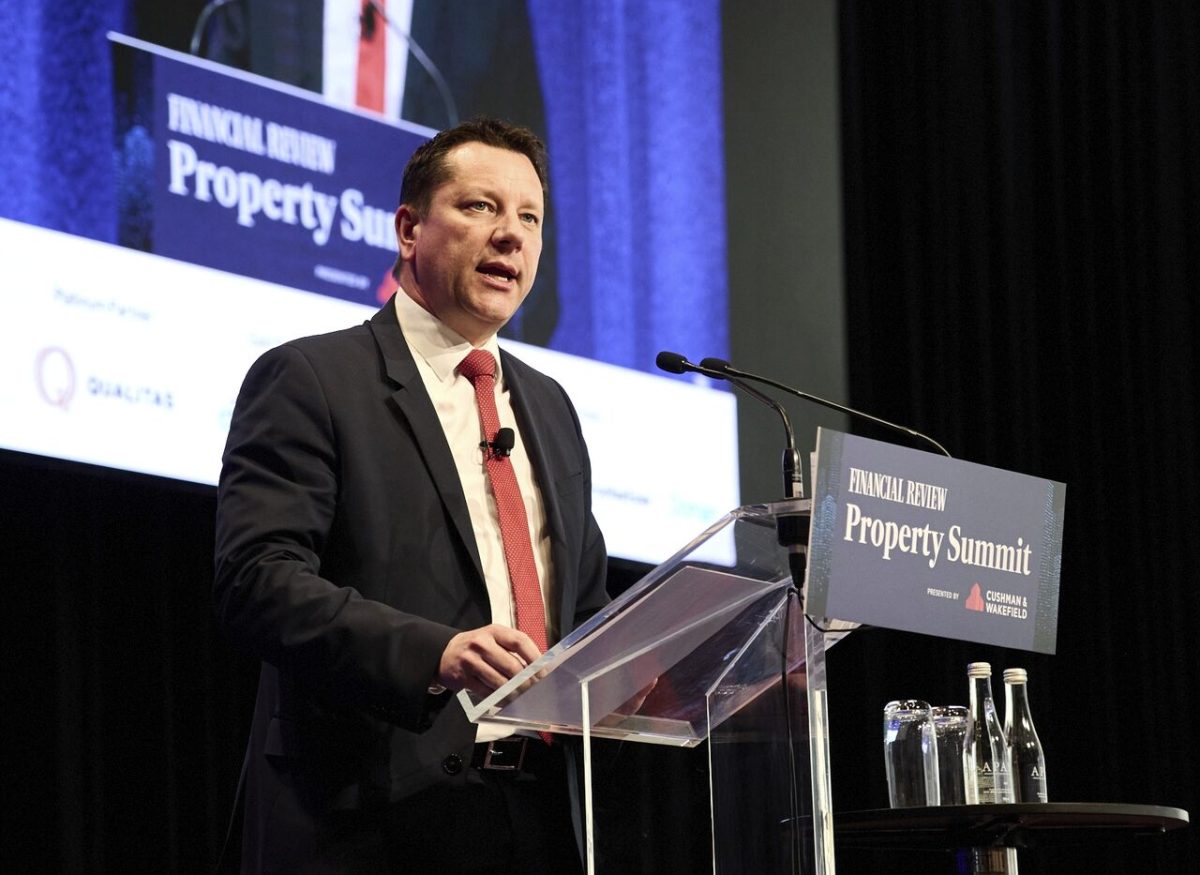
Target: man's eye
<point x="530" y="218"/>
<point x="479" y="206"/>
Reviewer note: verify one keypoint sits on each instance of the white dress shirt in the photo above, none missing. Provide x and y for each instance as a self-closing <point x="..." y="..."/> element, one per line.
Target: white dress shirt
<point x="438" y="350"/>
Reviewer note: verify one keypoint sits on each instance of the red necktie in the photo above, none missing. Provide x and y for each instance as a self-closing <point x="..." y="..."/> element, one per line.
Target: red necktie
<point x="372" y="59"/>
<point x="480" y="368"/>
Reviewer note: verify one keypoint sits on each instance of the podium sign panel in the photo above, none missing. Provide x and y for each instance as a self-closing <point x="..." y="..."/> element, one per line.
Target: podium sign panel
<point x="287" y="188"/>
<point x="910" y="540"/>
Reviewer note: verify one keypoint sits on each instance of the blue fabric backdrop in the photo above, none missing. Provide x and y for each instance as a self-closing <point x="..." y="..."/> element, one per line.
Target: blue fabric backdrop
<point x="632" y="92"/>
<point x="56" y="115"/>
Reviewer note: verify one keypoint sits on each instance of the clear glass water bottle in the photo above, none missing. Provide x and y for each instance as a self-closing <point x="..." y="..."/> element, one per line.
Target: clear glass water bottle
<point x="1026" y="757"/>
<point x="988" y="753"/>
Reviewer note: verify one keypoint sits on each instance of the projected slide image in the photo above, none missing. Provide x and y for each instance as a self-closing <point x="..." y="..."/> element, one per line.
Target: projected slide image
<point x="248" y="213"/>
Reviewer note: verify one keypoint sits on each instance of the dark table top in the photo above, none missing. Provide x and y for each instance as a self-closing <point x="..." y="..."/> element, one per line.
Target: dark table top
<point x="1021" y="825"/>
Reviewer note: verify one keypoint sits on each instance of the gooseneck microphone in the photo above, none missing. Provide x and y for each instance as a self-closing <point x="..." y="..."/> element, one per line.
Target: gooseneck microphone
<point x="373" y="9"/>
<point x="202" y="19"/>
<point x="725" y="370"/>
<point x="793" y="478"/>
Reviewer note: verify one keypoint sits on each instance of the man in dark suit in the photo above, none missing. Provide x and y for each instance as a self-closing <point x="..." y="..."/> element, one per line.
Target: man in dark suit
<point x="361" y="555"/>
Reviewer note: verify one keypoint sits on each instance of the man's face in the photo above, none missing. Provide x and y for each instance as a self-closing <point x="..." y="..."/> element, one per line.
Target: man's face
<point x="470" y="260"/>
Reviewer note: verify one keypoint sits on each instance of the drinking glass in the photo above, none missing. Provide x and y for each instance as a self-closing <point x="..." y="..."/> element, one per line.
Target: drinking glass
<point x="952" y="725"/>
<point x="910" y="754"/>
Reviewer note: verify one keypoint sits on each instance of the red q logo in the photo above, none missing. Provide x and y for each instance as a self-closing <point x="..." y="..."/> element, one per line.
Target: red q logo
<point x="55" y="376"/>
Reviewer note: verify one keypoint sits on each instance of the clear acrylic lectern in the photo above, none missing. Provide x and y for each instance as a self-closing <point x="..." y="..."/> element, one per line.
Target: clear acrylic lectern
<point x="712" y="644"/>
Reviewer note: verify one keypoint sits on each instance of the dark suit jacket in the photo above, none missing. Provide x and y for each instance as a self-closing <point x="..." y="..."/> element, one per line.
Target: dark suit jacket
<point x="346" y="560"/>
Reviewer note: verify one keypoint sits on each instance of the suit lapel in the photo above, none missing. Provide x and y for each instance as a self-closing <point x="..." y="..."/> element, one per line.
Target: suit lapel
<point x="413" y="404"/>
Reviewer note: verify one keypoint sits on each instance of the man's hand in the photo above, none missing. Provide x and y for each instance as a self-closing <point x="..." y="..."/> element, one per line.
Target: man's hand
<point x="481" y="660"/>
<point x="629" y="708"/>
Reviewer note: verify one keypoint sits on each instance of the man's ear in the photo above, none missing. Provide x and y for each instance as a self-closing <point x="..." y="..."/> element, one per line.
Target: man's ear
<point x="407" y="230"/>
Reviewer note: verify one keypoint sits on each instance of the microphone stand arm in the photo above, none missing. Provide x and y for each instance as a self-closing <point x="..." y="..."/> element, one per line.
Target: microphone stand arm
<point x="793" y="474"/>
<point x="723" y="367"/>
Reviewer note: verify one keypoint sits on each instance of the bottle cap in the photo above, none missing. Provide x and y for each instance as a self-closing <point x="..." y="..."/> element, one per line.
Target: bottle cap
<point x="979" y="670"/>
<point x="1015" y="676"/>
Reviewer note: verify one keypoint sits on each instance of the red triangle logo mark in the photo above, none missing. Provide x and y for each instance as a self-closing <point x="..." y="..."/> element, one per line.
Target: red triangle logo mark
<point x="975" y="600"/>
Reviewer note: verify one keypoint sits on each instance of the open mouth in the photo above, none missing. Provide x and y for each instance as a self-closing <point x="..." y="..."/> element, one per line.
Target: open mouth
<point x="496" y="270"/>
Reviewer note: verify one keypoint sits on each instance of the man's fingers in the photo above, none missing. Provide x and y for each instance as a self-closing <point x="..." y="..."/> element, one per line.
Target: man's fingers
<point x="486" y="658"/>
<point x="516" y="642"/>
<point x="485" y="678"/>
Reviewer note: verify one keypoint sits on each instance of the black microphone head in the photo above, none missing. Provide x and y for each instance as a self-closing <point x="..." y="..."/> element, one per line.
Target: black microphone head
<point x="505" y="440"/>
<point x="715" y="364"/>
<point x="671" y="362"/>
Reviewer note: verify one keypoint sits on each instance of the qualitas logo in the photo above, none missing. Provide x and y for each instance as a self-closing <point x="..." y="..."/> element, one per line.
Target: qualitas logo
<point x="57" y="383"/>
<point x="130" y="393"/>
<point x="54" y="375"/>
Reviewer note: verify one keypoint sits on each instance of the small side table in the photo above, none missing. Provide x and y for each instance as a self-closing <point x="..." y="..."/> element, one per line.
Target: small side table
<point x="984" y="833"/>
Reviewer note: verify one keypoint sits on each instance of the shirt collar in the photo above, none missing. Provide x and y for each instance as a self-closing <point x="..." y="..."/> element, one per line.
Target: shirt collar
<point x="439" y="345"/>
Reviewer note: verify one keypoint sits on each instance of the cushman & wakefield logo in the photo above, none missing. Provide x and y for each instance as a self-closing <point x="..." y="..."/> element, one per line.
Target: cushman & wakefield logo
<point x="997" y="602"/>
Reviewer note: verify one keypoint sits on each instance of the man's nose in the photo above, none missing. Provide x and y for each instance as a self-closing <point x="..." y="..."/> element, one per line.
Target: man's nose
<point x="507" y="232"/>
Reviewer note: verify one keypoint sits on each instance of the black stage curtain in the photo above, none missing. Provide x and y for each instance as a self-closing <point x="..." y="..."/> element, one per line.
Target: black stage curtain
<point x="124" y="715"/>
<point x="1022" y="209"/>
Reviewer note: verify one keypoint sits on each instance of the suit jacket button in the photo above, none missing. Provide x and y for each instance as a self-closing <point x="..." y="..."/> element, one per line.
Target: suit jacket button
<point x="452" y="764"/>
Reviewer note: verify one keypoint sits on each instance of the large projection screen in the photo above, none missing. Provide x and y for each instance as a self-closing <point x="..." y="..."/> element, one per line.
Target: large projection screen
<point x="249" y="212"/>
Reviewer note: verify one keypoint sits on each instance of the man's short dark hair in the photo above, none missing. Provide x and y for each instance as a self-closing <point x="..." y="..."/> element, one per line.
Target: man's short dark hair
<point x="427" y="169"/>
